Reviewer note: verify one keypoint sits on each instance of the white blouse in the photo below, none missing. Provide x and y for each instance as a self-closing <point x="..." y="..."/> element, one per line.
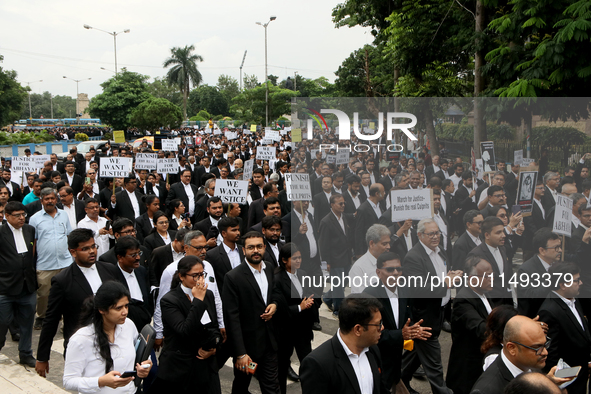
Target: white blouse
<point x="84" y="365"/>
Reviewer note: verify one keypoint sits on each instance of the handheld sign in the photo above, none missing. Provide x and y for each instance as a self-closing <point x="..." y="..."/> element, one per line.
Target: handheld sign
<point x="230" y="135"/>
<point x="167" y="166"/>
<point x="146" y="161"/>
<point x="253" y="128"/>
<point x="119" y="136"/>
<point x="487" y="153"/>
<point x="23" y="163"/>
<point x="266" y="153"/>
<point x="411" y="204"/>
<point x="526" y="191"/>
<point x="115" y="167"/>
<point x="40" y="160"/>
<point x="296" y="135"/>
<point x="170" y="145"/>
<point x="518" y="157"/>
<point x="231" y="191"/>
<point x="563" y="215"/>
<point x="298" y="187"/>
<point x="248" y="168"/>
<point x="342" y="158"/>
<point x="331" y="159"/>
<point x="272" y="135"/>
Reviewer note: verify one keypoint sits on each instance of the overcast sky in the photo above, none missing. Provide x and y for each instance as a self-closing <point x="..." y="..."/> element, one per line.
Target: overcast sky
<point x="45" y="40"/>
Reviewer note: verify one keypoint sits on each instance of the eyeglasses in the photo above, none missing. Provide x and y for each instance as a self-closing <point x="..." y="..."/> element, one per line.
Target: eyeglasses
<point x="538" y="350"/>
<point x="197" y="247"/>
<point x="499" y="195"/>
<point x="198" y="275"/>
<point x="380" y="325"/>
<point x="162" y="222"/>
<point x="88" y="248"/>
<point x="18" y="215"/>
<point x="253" y="247"/>
<point x="135" y="255"/>
<point x="434" y="234"/>
<point x="392" y="269"/>
<point x="556" y="248"/>
<point x="340" y="203"/>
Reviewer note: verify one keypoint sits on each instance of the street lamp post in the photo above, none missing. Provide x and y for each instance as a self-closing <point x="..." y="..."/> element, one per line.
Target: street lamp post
<point x="266" y="74"/>
<point x="29" y="92"/>
<point x="77" y="82"/>
<point x="114" y="34"/>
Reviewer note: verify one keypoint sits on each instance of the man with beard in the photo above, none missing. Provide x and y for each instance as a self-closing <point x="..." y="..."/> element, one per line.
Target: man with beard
<point x="271" y="226"/>
<point x="209" y="225"/>
<point x="52" y="227"/>
<point x="13" y="187"/>
<point x="249" y="305"/>
<point x="69" y="289"/>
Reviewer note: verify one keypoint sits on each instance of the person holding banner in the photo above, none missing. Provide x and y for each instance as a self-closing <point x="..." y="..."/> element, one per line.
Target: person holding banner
<point x="184" y="191"/>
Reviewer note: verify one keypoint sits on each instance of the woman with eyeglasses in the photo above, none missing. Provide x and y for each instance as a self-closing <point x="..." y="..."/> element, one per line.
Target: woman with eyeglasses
<point x="176" y="213"/>
<point x="160" y="234"/>
<point x="188" y="363"/>
<point x="513" y="229"/>
<point x="295" y="318"/>
<point x="104" y="348"/>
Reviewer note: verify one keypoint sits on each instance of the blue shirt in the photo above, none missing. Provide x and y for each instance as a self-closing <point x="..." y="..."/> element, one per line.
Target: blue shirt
<point x="29" y="198"/>
<point x="52" y="240"/>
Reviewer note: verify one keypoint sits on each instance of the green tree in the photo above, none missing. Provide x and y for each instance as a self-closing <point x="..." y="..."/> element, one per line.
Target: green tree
<point x="12" y="95"/>
<point x="160" y="88"/>
<point x="63" y="106"/>
<point x="154" y="113"/>
<point x="228" y="86"/>
<point x="249" y="106"/>
<point x="306" y="87"/>
<point x="273" y="79"/>
<point x="250" y="81"/>
<point x="208" y="98"/>
<point x="121" y="94"/>
<point x="184" y="71"/>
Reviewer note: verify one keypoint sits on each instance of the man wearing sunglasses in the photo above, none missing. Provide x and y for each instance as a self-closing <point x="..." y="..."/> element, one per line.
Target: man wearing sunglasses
<point x="525" y="348"/>
<point x="567" y="326"/>
<point x="396" y="317"/>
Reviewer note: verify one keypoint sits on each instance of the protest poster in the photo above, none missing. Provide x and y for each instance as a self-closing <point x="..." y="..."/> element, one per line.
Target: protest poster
<point x="267" y="129"/>
<point x="217" y="131"/>
<point x="231" y="191"/>
<point x="41" y="159"/>
<point x="526" y="191"/>
<point x="283" y="131"/>
<point x="198" y="141"/>
<point x="167" y="166"/>
<point x="342" y="158"/>
<point x="115" y="167"/>
<point x="487" y="153"/>
<point x="563" y="216"/>
<point x="296" y="135"/>
<point x="518" y="157"/>
<point x="272" y="135"/>
<point x="146" y="161"/>
<point x="526" y="162"/>
<point x="372" y="125"/>
<point x="23" y="163"/>
<point x="248" y="168"/>
<point x="266" y="153"/>
<point x="119" y="136"/>
<point x="272" y="164"/>
<point x="298" y="187"/>
<point x="230" y="135"/>
<point x="331" y="159"/>
<point x="479" y="168"/>
<point x="253" y="128"/>
<point x="411" y="204"/>
<point x="170" y="145"/>
<point x="266" y="141"/>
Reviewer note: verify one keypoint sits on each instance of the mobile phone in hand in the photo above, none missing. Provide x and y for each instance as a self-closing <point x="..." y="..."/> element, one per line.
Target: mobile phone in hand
<point x="128" y="374"/>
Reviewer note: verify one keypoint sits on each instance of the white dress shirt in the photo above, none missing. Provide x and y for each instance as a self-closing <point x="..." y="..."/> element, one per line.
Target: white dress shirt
<point x="233" y="255"/>
<point x="92" y="277"/>
<point x="167" y="240"/>
<point x="19" y="239"/>
<point x="474" y="239"/>
<point x="71" y="211"/>
<point x="541" y="208"/>
<point x="498" y="257"/>
<point x="484" y="301"/>
<point x="176" y="256"/>
<point x="134" y="287"/>
<point x="440" y="268"/>
<point x="442" y="227"/>
<point x="361" y="366"/>
<point x="134" y="203"/>
<point x="261" y="279"/>
<point x="355" y="199"/>
<point x="275" y="250"/>
<point x="573" y="309"/>
<point x="297" y="285"/>
<point x="365" y="269"/>
<point x="309" y="233"/>
<point x="393" y="297"/>
<point x="191" y="196"/>
<point x="101" y="241"/>
<point x="340" y="220"/>
<point x="515" y="371"/>
<point x="376" y="208"/>
<point x="84" y="365"/>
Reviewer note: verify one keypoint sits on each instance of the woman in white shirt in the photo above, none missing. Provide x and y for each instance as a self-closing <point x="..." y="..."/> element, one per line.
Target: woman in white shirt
<point x="104" y="348"/>
<point x="160" y="234"/>
<point x="175" y="209"/>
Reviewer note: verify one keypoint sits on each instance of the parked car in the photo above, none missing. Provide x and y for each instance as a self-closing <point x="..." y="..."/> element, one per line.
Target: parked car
<point x="84" y="147"/>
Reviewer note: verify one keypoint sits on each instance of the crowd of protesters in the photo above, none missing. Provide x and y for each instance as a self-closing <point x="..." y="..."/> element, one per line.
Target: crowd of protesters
<point x="217" y="281"/>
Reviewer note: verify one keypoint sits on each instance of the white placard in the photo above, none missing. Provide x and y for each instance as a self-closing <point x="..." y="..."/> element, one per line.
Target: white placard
<point x="267" y="129"/>
<point x="167" y="166"/>
<point x="115" y="167"/>
<point x="342" y="158"/>
<point x="272" y="164"/>
<point x="23" y="163"/>
<point x="411" y="204"/>
<point x="248" y="168"/>
<point x="298" y="187"/>
<point x="266" y="153"/>
<point x="517" y="157"/>
<point x="266" y="141"/>
<point x="287" y="129"/>
<point x="479" y="168"/>
<point x="331" y="159"/>
<point x="170" y="145"/>
<point x="217" y="131"/>
<point x="41" y="159"/>
<point x="526" y="162"/>
<point x="230" y="135"/>
<point x="563" y="216"/>
<point x="283" y="132"/>
<point x="231" y="191"/>
<point x="272" y="135"/>
<point x="146" y="161"/>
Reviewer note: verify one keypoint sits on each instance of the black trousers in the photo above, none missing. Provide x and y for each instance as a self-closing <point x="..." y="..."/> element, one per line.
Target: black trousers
<point x="266" y="373"/>
<point x="303" y="347"/>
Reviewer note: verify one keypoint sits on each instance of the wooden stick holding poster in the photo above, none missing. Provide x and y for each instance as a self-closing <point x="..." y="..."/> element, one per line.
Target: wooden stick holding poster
<point x="526" y="191"/>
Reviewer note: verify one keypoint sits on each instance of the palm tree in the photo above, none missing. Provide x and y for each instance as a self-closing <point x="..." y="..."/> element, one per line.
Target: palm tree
<point x="184" y="71"/>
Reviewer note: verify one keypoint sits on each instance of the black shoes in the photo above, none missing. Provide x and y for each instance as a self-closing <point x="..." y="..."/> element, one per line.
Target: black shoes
<point x="29" y="361"/>
<point x="291" y="375"/>
<point x="316" y="327"/>
<point x="419" y="373"/>
<point x="446" y="326"/>
<point x="38" y="323"/>
<point x="16" y="337"/>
